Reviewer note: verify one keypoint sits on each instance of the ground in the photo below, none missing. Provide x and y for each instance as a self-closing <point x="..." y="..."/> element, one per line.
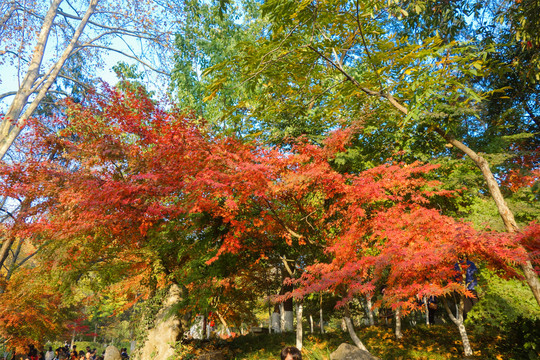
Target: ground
<point x="436" y="342"/>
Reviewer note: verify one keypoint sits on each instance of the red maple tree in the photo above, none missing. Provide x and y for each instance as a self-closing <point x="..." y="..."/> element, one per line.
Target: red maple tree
<point x="119" y="169"/>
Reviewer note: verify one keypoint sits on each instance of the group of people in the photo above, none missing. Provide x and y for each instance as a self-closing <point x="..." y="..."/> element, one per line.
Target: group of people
<point x="64" y="353"/>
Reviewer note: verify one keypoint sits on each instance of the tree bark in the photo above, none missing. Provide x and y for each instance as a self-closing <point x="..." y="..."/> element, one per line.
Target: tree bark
<point x="10" y="128"/>
<point x="369" y="305"/>
<point x="458" y="321"/>
<point x="426" y="305"/>
<point x="350" y="328"/>
<point x="281" y="318"/>
<point x="321" y="319"/>
<point x="399" y="334"/>
<point x="299" y="328"/>
<point x="4" y="250"/>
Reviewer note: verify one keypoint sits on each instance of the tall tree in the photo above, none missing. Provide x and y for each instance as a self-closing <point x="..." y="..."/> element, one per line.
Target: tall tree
<point x="332" y="56"/>
<point x="39" y="39"/>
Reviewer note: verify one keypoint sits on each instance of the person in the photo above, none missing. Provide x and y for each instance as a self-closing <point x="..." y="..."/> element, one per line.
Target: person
<point x="49" y="355"/>
<point x="464" y="264"/>
<point x="32" y="352"/>
<point x="291" y="353"/>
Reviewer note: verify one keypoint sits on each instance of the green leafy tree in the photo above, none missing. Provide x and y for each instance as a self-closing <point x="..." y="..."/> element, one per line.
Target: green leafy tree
<point x="322" y="63"/>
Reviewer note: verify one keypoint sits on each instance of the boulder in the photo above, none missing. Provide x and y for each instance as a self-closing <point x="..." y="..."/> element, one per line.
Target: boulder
<point x="112" y="353"/>
<point x="350" y="352"/>
<point x="161" y="339"/>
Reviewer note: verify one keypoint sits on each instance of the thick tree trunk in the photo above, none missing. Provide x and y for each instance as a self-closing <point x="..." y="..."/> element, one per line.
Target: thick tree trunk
<point x="299" y="329"/>
<point x="15" y="257"/>
<point x="458" y="321"/>
<point x="350" y="328"/>
<point x="276" y="323"/>
<point x="288" y="315"/>
<point x="72" y="340"/>
<point x="399" y="334"/>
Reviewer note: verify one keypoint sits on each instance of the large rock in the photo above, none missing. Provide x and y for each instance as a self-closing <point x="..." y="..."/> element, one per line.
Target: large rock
<point x="112" y="353"/>
<point x="161" y="340"/>
<point x="350" y="352"/>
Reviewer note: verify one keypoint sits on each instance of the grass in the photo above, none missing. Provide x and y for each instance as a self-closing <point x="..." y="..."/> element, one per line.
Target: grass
<point x="421" y="343"/>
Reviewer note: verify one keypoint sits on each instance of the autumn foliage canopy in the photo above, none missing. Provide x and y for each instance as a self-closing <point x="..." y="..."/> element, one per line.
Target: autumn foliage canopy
<point x="119" y="170"/>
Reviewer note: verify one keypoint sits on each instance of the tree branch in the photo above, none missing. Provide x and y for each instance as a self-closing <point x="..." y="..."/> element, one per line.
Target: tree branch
<point x="10" y="93"/>
<point x="126" y="55"/>
<point x="349" y="77"/>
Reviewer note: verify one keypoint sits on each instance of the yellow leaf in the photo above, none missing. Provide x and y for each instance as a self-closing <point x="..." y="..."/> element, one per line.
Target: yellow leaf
<point x="211" y="96"/>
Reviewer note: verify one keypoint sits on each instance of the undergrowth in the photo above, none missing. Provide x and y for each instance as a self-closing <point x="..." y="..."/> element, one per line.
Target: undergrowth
<point x="436" y="342"/>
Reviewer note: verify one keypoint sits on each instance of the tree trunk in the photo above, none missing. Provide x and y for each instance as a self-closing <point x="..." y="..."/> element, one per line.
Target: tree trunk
<point x="281" y="318"/>
<point x="350" y="328"/>
<point x="4" y="250"/>
<point x="288" y="315"/>
<point x="270" y="320"/>
<point x="321" y="319"/>
<point x="310" y="324"/>
<point x="72" y="339"/>
<point x="369" y="312"/>
<point x="458" y="321"/>
<point x="399" y="334"/>
<point x="426" y="305"/>
<point x="299" y="329"/>
<point x="14" y="121"/>
<point x="504" y="211"/>
<point x="224" y="323"/>
<point x="276" y="323"/>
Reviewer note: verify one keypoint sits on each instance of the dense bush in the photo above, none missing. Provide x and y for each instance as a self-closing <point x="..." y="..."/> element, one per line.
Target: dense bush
<point x="522" y="339"/>
<point x="501" y="303"/>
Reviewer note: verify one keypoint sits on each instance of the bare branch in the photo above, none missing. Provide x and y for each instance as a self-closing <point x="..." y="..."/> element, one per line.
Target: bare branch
<point x="286" y="264"/>
<point x="349" y="77"/>
<point x="126" y="55"/>
<point x="9" y="93"/>
<point x="123" y="31"/>
<point x="365" y="44"/>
